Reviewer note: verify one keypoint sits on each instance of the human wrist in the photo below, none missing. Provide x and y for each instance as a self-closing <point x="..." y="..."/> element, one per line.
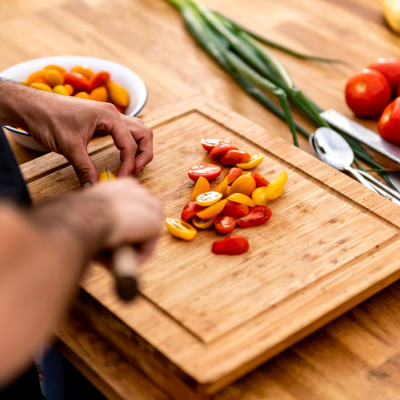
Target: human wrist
<point x="79" y="220"/>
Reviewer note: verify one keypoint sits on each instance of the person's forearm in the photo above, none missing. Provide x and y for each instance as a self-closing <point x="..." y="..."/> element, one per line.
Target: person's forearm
<point x="18" y="104"/>
<point x="42" y="256"/>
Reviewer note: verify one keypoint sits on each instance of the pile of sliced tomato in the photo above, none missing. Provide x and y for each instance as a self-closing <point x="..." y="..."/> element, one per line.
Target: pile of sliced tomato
<point x="240" y="199"/>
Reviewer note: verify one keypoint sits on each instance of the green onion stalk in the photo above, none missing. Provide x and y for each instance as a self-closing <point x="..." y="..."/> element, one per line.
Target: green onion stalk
<point x="242" y="55"/>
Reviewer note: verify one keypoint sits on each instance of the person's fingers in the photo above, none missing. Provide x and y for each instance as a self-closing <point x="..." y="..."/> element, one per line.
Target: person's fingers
<point x="83" y="165"/>
<point x="123" y="140"/>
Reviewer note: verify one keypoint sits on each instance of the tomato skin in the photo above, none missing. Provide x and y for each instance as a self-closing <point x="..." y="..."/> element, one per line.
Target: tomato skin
<point x="208" y="144"/>
<point x="190" y="210"/>
<point x="231" y="246"/>
<point x="367" y="93"/>
<point x="233" y="174"/>
<point x="77" y="81"/>
<point x="233" y="157"/>
<point x="245" y="184"/>
<point x="260" y="180"/>
<point x="389" y="122"/>
<point x="390" y="68"/>
<point x="258" y="215"/>
<point x="233" y="209"/>
<point x="209" y="171"/>
<point x="225" y="224"/>
<point x="218" y="151"/>
<point x="100" y="79"/>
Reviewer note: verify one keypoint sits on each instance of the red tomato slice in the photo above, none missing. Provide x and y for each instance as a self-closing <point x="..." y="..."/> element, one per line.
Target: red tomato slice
<point x="209" y="171"/>
<point x="225" y="224"/>
<point x="258" y="215"/>
<point x="77" y="81"/>
<point x="232" y="174"/>
<point x="100" y="79"/>
<point x="217" y="152"/>
<point x="231" y="246"/>
<point x="260" y="180"/>
<point x="233" y="209"/>
<point x="209" y="144"/>
<point x="232" y="157"/>
<point x="190" y="209"/>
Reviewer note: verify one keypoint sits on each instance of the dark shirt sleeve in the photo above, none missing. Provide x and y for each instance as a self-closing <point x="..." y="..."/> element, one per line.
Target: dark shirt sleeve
<point x="13" y="188"/>
<point x="12" y="185"/>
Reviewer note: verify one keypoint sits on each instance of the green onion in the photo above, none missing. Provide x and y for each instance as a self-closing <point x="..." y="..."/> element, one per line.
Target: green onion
<point x="241" y="54"/>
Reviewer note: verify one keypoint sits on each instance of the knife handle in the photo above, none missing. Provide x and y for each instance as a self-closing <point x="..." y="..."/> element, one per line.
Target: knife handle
<point x="125" y="267"/>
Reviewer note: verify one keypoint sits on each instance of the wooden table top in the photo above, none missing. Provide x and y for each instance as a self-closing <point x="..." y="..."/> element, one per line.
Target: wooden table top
<point x="358" y="355"/>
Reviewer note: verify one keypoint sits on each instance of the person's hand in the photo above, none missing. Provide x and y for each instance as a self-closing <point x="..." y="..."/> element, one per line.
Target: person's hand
<point x="66" y="124"/>
<point x="133" y="215"/>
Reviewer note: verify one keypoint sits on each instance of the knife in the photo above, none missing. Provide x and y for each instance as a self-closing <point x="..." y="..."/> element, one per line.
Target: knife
<point x="124" y="265"/>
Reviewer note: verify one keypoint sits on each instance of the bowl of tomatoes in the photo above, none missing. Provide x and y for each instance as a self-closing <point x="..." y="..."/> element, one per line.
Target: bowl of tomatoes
<point x="84" y="77"/>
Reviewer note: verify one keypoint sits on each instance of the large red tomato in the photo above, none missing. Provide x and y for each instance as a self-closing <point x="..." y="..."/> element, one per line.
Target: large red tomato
<point x="389" y="122"/>
<point x="367" y="93"/>
<point x="390" y="68"/>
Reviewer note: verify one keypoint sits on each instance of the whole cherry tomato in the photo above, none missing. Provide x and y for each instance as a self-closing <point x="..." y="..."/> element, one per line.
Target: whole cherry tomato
<point x="209" y="144"/>
<point x="190" y="209"/>
<point x="218" y="151"/>
<point x="209" y="171"/>
<point x="225" y="224"/>
<point x="233" y="157"/>
<point x="53" y="77"/>
<point x="232" y="174"/>
<point x="389" y="122"/>
<point x="83" y="95"/>
<point x="77" y="81"/>
<point x="390" y="68"/>
<point x="100" y="79"/>
<point x="99" y="94"/>
<point x="233" y="209"/>
<point x="258" y="215"/>
<point x="83" y="70"/>
<point x="231" y="246"/>
<point x="260" y="180"/>
<point x="119" y="96"/>
<point x="367" y="93"/>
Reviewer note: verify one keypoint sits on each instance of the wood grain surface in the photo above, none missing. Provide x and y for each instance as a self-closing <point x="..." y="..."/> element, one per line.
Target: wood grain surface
<point x="208" y="320"/>
<point x="357" y="355"/>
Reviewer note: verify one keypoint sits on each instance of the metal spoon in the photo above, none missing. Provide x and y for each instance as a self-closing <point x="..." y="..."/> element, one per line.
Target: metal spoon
<point x="333" y="149"/>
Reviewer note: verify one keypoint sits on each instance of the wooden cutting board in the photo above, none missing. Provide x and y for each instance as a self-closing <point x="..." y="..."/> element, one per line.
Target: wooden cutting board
<point x="202" y="321"/>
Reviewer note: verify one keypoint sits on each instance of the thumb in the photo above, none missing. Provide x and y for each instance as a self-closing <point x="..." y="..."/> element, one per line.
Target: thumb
<point x="84" y="167"/>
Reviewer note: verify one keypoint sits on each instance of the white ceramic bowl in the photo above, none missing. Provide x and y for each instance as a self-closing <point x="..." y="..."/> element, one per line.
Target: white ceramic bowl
<point x="132" y="83"/>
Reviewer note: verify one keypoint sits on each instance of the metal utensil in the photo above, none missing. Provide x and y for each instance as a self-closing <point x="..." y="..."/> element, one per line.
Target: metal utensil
<point x="124" y="263"/>
<point x="362" y="134"/>
<point x="331" y="148"/>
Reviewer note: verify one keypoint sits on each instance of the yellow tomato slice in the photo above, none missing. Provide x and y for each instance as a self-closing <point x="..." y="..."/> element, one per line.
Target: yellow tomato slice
<point x="244" y="184"/>
<point x="275" y="188"/>
<point x="212" y="211"/>
<point x="208" y="199"/>
<point x="202" y="186"/>
<point x="104" y="178"/>
<point x="180" y="229"/>
<point x="203" y="223"/>
<point x="259" y="196"/>
<point x="223" y="188"/>
<point x="254" y="161"/>
<point x="242" y="199"/>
